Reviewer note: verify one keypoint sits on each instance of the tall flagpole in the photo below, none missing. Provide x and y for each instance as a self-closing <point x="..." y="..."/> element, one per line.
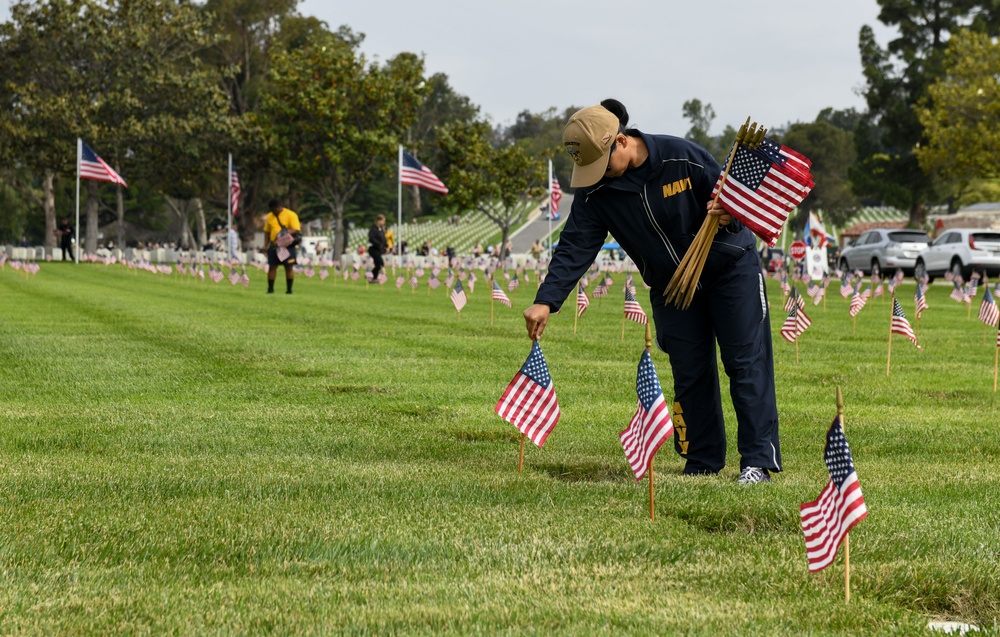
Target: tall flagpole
<point x="399" y="206"/>
<point x="550" y="210"/>
<point x="229" y="210"/>
<point x="79" y="158"/>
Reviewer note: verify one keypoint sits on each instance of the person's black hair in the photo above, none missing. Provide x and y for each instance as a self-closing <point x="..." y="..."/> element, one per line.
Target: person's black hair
<point x="274" y="203"/>
<point x="618" y="110"/>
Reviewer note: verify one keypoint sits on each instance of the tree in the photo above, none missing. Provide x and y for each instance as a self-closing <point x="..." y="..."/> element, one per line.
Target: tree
<point x="336" y="119"/>
<point x="441" y="105"/>
<point x="46" y="50"/>
<point x="831" y="151"/>
<point x="897" y="80"/>
<point x="541" y="135"/>
<point x="495" y="180"/>
<point x="701" y="117"/>
<point x="251" y="30"/>
<point x="961" y="114"/>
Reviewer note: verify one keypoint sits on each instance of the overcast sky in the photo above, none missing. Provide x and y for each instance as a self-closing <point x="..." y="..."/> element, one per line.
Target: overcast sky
<point x="779" y="61"/>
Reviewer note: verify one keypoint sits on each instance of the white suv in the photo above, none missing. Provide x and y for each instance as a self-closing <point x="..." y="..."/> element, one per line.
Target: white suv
<point x="961" y="251"/>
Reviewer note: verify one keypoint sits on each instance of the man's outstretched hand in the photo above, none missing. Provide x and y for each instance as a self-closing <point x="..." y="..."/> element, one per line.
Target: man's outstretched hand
<point x="535" y="319"/>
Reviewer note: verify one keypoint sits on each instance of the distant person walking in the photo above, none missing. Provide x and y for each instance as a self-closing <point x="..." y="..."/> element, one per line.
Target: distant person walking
<point x="65" y="234"/>
<point x="378" y="245"/>
<point x="279" y="219"/>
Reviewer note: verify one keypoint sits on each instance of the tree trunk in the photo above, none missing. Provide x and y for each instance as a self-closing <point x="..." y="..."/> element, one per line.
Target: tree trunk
<point x="918" y="216"/>
<point x="503" y="243"/>
<point x="199" y="219"/>
<point x="93" y="218"/>
<point x="416" y="202"/>
<point x="49" y="207"/>
<point x="120" y="209"/>
<point x="339" y="235"/>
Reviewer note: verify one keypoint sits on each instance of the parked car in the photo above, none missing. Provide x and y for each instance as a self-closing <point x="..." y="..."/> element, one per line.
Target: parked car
<point x="884" y="249"/>
<point x="961" y="251"/>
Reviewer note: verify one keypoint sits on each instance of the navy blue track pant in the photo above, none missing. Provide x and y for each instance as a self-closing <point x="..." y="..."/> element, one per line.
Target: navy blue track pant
<point x="733" y="311"/>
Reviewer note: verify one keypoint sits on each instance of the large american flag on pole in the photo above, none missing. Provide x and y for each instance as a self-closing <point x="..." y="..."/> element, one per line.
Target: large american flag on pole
<point x="234" y="192"/>
<point x="651" y="425"/>
<point x="554" y="197"/>
<point x="828" y="518"/>
<point x="93" y="167"/>
<point x="413" y="173"/>
<point x="529" y="402"/>
<point x="763" y="186"/>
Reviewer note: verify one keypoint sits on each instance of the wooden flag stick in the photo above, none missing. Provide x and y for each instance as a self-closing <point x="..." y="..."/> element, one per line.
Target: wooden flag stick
<point x="623" y="326"/>
<point x="652" y="491"/>
<point x="996" y="359"/>
<point x="684" y="282"/>
<point x="888" y="359"/>
<point x="520" y="457"/>
<point x="796" y="350"/>
<point x="491" y="300"/>
<point x="847" y="536"/>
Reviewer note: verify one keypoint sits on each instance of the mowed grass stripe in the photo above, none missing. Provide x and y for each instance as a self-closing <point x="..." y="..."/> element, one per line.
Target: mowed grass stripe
<point x="212" y="460"/>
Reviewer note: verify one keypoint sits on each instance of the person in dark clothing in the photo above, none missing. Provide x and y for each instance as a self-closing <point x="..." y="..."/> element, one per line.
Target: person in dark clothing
<point x="652" y="193"/>
<point x="65" y="232"/>
<point x="378" y="245"/>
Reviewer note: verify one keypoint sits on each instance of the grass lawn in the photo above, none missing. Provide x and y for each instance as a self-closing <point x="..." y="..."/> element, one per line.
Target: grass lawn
<point x="191" y="458"/>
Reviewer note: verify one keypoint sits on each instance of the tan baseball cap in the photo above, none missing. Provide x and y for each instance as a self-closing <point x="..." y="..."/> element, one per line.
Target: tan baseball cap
<point x="588" y="137"/>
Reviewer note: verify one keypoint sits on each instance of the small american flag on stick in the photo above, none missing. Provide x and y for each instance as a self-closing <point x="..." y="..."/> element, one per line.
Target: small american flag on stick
<point x="633" y="311"/>
<point x="582" y="300"/>
<point x="529" y="402"/>
<point x="899" y="323"/>
<point x="827" y="519"/>
<point x="650" y="426"/>
<point x="988" y="310"/>
<point x="458" y="296"/>
<point x="498" y="294"/>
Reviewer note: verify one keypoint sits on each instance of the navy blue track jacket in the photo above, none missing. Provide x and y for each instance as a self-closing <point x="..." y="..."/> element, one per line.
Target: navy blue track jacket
<point x="655" y="221"/>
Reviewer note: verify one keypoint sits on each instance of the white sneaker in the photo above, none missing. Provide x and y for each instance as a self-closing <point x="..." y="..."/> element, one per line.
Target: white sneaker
<point x="753" y="475"/>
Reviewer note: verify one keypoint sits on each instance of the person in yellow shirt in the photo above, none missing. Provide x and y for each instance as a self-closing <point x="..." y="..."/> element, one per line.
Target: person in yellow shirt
<point x="280" y="218"/>
<point x="390" y="240"/>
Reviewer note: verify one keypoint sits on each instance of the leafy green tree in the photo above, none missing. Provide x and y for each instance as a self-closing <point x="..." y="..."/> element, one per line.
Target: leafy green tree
<point x="46" y="50"/>
<point x="961" y="114"/>
<point x="251" y="31"/>
<point x="897" y="79"/>
<point x="701" y="117"/>
<point x="336" y="119"/>
<point x="441" y="105"/>
<point x="541" y="135"/>
<point x="498" y="181"/>
<point x="831" y="151"/>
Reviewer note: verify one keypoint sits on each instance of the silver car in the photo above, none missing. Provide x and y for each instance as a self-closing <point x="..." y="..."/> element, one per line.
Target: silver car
<point x="961" y="250"/>
<point x="884" y="250"/>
